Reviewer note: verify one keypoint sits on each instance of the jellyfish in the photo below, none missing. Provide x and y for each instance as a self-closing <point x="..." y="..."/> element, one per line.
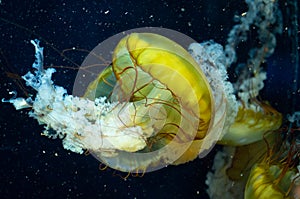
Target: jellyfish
<point x="271" y="179"/>
<point x="145" y="118"/>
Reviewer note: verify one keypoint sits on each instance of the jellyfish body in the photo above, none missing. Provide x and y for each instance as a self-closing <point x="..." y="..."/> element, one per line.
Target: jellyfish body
<point x="275" y="176"/>
<point x="251" y="125"/>
<point x="150" y="70"/>
<point x="265" y="181"/>
<point x="152" y="107"/>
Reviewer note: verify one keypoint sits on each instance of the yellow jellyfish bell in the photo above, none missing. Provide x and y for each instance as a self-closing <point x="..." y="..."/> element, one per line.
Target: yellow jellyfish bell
<point x="170" y="64"/>
<point x="269" y="181"/>
<point x="275" y="176"/>
<point x="251" y="124"/>
<point x="170" y="94"/>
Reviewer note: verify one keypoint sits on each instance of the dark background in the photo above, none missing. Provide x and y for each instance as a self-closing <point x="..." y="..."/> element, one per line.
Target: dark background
<point x="32" y="166"/>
